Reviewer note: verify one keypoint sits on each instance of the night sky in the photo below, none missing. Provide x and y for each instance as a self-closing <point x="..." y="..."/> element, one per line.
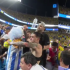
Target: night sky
<point x="34" y="7"/>
<point x="64" y="2"/>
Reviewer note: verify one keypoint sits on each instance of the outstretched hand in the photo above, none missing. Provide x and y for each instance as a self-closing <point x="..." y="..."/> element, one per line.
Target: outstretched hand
<point x="48" y="57"/>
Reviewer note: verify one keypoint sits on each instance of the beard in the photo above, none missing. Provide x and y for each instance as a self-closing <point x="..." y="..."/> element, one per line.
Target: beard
<point x="38" y="30"/>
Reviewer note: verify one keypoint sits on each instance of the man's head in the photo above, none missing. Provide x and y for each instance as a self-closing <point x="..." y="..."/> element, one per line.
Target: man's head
<point x="41" y="27"/>
<point x="35" y="37"/>
<point x="57" y="41"/>
<point x="27" y="61"/>
<point x="65" y="48"/>
<point x="7" y="30"/>
<point x="28" y="33"/>
<point x="25" y="27"/>
<point x="65" y="58"/>
<point x="54" y="45"/>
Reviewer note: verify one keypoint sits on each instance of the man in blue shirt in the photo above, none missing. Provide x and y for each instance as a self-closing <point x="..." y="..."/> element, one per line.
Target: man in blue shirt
<point x="64" y="60"/>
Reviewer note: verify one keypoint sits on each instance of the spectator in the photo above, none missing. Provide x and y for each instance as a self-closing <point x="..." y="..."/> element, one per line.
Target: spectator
<point x="65" y="48"/>
<point x="28" y="62"/>
<point x="25" y="49"/>
<point x="28" y="34"/>
<point x="44" y="41"/>
<point x="34" y="45"/>
<point x="51" y="63"/>
<point x="64" y="60"/>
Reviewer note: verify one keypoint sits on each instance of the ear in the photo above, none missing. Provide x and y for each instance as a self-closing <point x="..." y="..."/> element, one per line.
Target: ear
<point x="29" y="66"/>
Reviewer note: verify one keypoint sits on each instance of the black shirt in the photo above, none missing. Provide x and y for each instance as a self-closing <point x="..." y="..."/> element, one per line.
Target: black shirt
<point x="4" y="50"/>
<point x="44" y="40"/>
<point x="25" y="49"/>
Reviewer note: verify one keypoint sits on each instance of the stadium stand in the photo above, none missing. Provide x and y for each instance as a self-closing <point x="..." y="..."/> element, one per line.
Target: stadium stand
<point x="64" y="10"/>
<point x="29" y="18"/>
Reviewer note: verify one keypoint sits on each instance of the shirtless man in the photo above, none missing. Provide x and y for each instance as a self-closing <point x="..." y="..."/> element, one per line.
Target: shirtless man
<point x="34" y="45"/>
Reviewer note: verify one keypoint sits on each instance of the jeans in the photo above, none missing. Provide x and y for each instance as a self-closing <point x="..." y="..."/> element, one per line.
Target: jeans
<point x="50" y="67"/>
<point x="2" y="64"/>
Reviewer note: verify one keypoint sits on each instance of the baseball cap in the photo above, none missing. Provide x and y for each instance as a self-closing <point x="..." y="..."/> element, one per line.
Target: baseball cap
<point x="8" y="28"/>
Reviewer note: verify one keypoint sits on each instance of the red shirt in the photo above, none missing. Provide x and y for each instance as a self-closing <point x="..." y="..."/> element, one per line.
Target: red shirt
<point x="53" y="56"/>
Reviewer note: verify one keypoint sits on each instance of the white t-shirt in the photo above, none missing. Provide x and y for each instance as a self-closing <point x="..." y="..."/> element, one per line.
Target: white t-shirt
<point x="38" y="67"/>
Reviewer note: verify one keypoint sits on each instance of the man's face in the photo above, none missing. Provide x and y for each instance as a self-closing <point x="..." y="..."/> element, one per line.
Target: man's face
<point x="40" y="28"/>
<point x="54" y="48"/>
<point x="65" y="48"/>
<point x="57" y="41"/>
<point x="33" y="38"/>
<point x="23" y="65"/>
<point x="4" y="28"/>
<point x="6" y="31"/>
<point x="28" y="34"/>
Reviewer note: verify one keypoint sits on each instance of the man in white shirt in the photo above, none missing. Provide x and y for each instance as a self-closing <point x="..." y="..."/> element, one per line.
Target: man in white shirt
<point x="28" y="62"/>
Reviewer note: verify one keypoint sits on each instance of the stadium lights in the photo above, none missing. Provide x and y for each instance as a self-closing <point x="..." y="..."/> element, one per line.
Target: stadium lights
<point x="19" y="0"/>
<point x="16" y="0"/>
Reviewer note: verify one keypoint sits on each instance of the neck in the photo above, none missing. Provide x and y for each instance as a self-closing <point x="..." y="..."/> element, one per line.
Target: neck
<point x="65" y="66"/>
<point x="42" y="31"/>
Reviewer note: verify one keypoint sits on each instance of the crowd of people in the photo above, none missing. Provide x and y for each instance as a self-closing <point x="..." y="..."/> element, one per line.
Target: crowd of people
<point x="64" y="10"/>
<point x="21" y="49"/>
<point x="63" y="37"/>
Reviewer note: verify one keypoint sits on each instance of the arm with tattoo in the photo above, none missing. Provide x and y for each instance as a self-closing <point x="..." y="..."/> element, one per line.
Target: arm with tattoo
<point x="21" y="43"/>
<point x="32" y="45"/>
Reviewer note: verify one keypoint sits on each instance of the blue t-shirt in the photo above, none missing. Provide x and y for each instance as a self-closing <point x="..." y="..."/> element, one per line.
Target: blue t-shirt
<point x="62" y="68"/>
<point x="2" y="31"/>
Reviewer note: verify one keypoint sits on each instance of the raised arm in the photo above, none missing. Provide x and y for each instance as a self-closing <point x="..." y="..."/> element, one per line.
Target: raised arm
<point x="21" y="43"/>
<point x="32" y="45"/>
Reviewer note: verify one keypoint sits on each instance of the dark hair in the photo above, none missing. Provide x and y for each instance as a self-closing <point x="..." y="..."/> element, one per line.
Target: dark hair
<point x="55" y="44"/>
<point x="65" y="56"/>
<point x="28" y="31"/>
<point x="38" y="34"/>
<point x="65" y="47"/>
<point x="29" y="58"/>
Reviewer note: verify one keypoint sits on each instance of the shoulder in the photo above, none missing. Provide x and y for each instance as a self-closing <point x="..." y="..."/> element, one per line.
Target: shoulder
<point x="45" y="34"/>
<point x="37" y="67"/>
<point x="39" y="46"/>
